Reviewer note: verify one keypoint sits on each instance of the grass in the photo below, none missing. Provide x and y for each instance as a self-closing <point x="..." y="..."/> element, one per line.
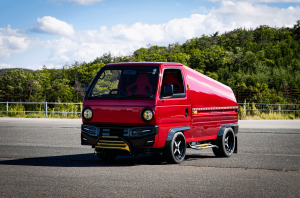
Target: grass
<point x="270" y="116"/>
<point x="42" y="115"/>
<point x="255" y="114"/>
<point x="51" y="111"/>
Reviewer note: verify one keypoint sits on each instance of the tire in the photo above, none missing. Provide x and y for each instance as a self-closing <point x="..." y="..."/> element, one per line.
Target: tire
<point x="175" y="153"/>
<point x="225" y="145"/>
<point x="106" y="156"/>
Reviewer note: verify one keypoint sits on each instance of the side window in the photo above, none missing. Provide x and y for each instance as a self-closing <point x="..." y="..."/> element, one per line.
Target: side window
<point x="174" y="77"/>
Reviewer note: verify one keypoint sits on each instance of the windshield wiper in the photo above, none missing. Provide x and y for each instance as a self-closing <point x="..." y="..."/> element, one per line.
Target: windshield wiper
<point x="142" y="96"/>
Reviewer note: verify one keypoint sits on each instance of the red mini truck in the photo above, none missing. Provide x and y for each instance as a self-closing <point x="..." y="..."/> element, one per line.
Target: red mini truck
<point x="139" y="108"/>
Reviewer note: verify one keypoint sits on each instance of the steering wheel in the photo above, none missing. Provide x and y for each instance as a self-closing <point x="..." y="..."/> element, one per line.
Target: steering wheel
<point x="118" y="90"/>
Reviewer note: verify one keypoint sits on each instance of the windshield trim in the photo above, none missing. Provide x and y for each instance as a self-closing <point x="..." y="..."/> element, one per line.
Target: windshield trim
<point x="118" y="97"/>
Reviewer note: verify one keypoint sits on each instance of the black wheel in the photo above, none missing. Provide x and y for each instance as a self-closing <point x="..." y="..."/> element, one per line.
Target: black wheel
<point x="225" y="145"/>
<point x="176" y="152"/>
<point x="106" y="155"/>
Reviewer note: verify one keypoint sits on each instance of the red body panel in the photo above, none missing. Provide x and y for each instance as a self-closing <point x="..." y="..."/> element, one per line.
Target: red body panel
<point x="206" y="92"/>
<point x="201" y="92"/>
<point x="118" y="112"/>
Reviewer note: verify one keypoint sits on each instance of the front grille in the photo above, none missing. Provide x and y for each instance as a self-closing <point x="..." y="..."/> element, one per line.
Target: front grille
<point x="118" y="131"/>
<point x="112" y="131"/>
<point x="90" y="130"/>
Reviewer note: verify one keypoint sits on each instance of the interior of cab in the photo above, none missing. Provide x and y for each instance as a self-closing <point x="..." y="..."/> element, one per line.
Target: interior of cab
<point x="141" y="86"/>
<point x="142" y="82"/>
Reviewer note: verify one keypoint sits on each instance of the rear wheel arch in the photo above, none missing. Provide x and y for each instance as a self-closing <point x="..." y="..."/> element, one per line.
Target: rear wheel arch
<point x="234" y="127"/>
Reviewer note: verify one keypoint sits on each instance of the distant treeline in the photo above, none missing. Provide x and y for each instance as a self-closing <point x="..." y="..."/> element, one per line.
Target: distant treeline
<point x="264" y="62"/>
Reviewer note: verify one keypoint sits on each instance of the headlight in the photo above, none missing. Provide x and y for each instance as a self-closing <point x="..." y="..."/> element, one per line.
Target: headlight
<point x="147" y="115"/>
<point x="87" y="114"/>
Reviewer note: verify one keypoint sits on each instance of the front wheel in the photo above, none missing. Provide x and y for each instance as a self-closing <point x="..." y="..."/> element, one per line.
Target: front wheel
<point x="176" y="152"/>
<point x="225" y="145"/>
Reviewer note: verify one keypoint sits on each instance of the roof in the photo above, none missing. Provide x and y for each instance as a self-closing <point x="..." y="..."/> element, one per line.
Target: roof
<point x="143" y="63"/>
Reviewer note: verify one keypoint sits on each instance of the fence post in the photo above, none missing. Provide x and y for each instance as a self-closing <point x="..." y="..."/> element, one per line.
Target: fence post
<point x="7" y="108"/>
<point x="245" y="111"/>
<point x="46" y="110"/>
<point x="279" y="108"/>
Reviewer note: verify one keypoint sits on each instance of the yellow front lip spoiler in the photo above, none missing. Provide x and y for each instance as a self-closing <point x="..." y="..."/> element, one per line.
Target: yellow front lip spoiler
<point x="112" y="144"/>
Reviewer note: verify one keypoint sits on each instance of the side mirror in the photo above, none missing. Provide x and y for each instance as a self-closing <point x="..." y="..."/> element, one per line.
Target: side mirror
<point x="86" y="87"/>
<point x="168" y="90"/>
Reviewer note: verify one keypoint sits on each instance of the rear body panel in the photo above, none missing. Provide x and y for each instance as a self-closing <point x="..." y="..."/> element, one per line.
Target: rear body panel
<point x="213" y="104"/>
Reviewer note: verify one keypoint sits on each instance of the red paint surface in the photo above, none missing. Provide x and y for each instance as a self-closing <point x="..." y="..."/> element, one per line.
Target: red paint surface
<point x="169" y="113"/>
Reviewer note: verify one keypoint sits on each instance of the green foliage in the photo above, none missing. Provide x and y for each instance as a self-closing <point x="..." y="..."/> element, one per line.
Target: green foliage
<point x="264" y="61"/>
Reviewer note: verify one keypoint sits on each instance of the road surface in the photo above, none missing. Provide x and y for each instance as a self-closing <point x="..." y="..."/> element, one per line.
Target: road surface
<point x="43" y="157"/>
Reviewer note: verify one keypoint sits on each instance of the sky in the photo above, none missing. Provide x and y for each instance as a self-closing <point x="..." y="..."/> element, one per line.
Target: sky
<point x="54" y="33"/>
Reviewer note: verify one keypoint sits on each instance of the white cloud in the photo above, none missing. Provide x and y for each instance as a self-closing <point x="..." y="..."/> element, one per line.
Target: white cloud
<point x="4" y="65"/>
<point x="232" y="15"/>
<point x="53" y="26"/>
<point x="13" y="41"/>
<point x="124" y="39"/>
<point x="61" y="49"/>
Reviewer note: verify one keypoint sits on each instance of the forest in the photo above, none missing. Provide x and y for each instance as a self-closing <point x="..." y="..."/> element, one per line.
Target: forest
<point x="261" y="65"/>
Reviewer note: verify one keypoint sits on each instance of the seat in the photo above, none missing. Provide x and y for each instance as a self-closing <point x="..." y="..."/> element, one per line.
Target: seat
<point x="171" y="79"/>
<point x="141" y="86"/>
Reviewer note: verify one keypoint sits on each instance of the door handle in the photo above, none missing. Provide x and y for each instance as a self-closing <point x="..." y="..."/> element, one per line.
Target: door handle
<point x="186" y="112"/>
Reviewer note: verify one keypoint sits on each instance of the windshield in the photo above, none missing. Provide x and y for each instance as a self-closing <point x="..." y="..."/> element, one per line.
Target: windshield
<point x="126" y="82"/>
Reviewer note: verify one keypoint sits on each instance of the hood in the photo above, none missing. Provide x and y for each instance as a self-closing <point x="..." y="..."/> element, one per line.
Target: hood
<point x="118" y="112"/>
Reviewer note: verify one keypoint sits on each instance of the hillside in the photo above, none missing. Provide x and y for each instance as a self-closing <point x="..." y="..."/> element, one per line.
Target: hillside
<point x="260" y="65"/>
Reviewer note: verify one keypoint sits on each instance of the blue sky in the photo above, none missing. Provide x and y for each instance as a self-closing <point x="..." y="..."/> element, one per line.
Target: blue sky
<point x="34" y="33"/>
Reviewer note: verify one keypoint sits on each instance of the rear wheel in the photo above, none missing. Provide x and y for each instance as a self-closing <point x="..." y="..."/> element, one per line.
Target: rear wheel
<point x="176" y="152"/>
<point x="225" y="145"/>
<point x="105" y="155"/>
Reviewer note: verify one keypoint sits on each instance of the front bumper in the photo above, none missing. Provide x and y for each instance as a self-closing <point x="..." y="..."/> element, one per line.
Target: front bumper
<point x="134" y="136"/>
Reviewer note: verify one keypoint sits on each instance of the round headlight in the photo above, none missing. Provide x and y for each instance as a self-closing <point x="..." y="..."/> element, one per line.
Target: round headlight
<point x="87" y="114"/>
<point x="147" y="115"/>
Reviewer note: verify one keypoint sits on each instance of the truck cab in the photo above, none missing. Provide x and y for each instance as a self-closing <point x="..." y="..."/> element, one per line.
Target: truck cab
<point x="137" y="108"/>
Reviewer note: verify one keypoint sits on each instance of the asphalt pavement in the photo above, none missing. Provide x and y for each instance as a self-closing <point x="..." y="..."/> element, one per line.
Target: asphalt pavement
<point x="43" y="157"/>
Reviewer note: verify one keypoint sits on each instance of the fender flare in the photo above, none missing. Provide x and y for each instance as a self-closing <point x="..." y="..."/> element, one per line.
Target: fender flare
<point x="172" y="132"/>
<point x="235" y="128"/>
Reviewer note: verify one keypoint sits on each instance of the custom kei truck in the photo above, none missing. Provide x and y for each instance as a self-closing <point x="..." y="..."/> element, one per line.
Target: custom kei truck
<point x="157" y="107"/>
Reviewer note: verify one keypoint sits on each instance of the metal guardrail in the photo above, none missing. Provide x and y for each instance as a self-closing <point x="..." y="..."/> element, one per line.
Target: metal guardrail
<point x="278" y="109"/>
<point x="44" y="103"/>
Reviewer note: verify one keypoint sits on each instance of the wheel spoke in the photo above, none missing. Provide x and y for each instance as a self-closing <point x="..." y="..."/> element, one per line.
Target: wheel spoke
<point x="178" y="144"/>
<point x="176" y="150"/>
<point x="226" y="146"/>
<point x="226" y="140"/>
<point x="179" y="152"/>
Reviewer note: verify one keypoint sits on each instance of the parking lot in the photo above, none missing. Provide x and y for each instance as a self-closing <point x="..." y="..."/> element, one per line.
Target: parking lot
<point x="43" y="157"/>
